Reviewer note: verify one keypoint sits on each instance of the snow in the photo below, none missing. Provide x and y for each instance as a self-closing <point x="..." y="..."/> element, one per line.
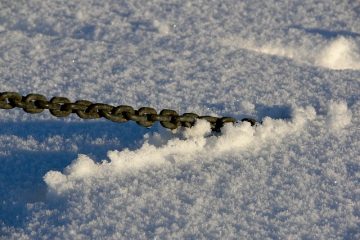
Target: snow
<point x="194" y="143"/>
<point x="339" y="116"/>
<point x="292" y="65"/>
<point x="340" y="53"/>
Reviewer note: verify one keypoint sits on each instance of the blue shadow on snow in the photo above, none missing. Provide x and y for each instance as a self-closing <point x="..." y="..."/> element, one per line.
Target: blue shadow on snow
<point x="22" y="169"/>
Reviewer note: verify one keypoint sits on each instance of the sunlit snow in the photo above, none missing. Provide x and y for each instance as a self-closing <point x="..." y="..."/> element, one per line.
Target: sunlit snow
<point x="293" y="65"/>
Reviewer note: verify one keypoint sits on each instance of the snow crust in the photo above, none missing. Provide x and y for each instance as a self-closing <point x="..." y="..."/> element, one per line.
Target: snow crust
<point x="294" y="65"/>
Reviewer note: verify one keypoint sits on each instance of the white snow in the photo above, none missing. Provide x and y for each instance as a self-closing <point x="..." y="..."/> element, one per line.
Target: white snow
<point x="294" y="65"/>
<point x="340" y="53"/>
<point x="339" y="116"/>
<point x="195" y="142"/>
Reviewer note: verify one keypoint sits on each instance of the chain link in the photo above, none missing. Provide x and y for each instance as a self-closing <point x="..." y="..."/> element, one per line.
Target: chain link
<point x="145" y="116"/>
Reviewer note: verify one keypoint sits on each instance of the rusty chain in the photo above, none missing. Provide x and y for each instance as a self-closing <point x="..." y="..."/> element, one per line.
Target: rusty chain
<point x="144" y="116"/>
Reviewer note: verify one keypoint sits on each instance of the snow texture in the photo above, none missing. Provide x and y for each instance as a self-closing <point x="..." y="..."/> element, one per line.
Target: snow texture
<point x="294" y="65"/>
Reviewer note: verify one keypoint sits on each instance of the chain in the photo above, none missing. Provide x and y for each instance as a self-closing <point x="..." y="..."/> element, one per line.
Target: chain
<point x="144" y="116"/>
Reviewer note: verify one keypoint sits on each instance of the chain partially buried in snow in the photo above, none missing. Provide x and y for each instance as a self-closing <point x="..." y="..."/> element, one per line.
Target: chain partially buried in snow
<point x="145" y="116"/>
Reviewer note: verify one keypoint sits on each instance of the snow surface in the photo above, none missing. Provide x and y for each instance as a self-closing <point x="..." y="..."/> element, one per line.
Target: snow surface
<point x="293" y="65"/>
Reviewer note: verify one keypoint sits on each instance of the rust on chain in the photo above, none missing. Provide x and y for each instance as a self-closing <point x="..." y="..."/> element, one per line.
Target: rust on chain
<point x="144" y="116"/>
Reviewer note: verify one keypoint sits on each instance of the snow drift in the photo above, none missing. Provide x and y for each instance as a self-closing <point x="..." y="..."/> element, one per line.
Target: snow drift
<point x="162" y="150"/>
<point x="338" y="54"/>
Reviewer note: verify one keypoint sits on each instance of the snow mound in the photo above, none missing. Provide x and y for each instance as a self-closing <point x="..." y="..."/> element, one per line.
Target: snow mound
<point x="338" y="54"/>
<point x="339" y="116"/>
<point x="162" y="150"/>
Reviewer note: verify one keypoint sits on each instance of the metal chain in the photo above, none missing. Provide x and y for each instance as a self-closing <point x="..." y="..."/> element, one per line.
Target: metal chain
<point x="145" y="116"/>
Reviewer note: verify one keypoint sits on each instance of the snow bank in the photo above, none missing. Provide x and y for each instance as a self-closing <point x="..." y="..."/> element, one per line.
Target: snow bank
<point x="162" y="150"/>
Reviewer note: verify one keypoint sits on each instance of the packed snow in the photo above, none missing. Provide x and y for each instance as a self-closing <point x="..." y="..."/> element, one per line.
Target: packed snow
<point x="294" y="66"/>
